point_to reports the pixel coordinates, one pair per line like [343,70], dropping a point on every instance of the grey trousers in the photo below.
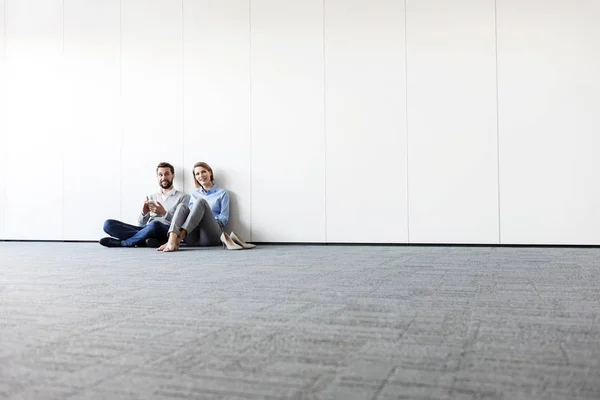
[199,222]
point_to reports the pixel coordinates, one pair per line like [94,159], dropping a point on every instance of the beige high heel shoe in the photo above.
[239,241]
[228,243]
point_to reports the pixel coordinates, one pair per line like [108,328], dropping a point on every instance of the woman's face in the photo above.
[202,176]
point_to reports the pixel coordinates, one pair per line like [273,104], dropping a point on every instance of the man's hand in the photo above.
[158,209]
[145,208]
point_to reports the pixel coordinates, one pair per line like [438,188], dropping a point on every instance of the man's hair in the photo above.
[165,165]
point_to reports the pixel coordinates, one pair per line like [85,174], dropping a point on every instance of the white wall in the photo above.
[549,115]
[151,96]
[365,112]
[92,160]
[35,119]
[383,121]
[452,127]
[288,121]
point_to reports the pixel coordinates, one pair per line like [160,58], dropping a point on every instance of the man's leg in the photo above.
[120,230]
[154,229]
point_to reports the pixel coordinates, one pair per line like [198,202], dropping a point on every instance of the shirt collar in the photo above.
[170,193]
[209,191]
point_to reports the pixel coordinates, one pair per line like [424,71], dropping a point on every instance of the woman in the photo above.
[201,223]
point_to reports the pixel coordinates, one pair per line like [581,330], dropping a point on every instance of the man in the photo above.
[155,218]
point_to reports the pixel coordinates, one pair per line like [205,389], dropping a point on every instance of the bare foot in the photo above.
[171,245]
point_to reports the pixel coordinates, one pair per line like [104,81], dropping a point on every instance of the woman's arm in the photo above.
[223,216]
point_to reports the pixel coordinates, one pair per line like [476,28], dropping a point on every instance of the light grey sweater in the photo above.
[174,198]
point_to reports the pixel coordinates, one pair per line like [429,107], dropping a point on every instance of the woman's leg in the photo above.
[176,232]
[180,217]
[202,227]
[198,228]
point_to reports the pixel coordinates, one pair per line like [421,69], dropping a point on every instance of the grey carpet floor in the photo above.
[80,321]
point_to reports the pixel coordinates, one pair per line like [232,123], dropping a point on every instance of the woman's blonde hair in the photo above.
[206,167]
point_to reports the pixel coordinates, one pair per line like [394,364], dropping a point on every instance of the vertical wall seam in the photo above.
[497,119]
[4,122]
[183,95]
[121,109]
[406,118]
[250,110]
[325,120]
[64,131]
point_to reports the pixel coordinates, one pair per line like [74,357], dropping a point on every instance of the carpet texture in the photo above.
[79,321]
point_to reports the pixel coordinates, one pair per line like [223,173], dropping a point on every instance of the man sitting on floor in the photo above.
[155,218]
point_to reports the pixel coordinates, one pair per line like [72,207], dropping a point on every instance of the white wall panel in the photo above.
[288,139]
[302,106]
[92,157]
[549,97]
[216,121]
[151,77]
[452,122]
[34,118]
[365,121]
[3,132]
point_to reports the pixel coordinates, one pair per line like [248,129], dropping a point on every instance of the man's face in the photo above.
[164,177]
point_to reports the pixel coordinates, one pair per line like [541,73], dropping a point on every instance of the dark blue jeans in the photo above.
[131,235]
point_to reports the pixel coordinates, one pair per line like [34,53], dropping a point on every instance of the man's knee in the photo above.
[155,226]
[109,224]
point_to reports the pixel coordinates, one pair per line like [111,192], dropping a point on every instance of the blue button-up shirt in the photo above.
[218,199]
